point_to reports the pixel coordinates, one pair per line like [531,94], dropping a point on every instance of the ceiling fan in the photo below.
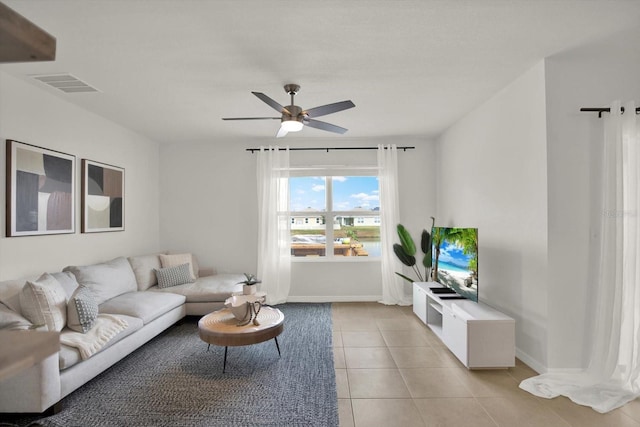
[293,118]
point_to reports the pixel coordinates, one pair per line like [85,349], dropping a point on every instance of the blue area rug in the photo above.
[174,381]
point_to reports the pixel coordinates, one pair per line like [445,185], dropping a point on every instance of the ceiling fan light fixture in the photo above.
[293,118]
[292,125]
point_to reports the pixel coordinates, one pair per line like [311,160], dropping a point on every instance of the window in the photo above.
[352,202]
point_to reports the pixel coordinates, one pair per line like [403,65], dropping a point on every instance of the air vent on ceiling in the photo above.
[65,82]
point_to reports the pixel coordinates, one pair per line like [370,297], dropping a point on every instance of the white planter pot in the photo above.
[248,289]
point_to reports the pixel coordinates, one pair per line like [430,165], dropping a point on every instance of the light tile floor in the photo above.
[391,370]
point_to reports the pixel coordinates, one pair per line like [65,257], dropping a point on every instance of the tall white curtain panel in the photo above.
[612,377]
[392,285]
[274,253]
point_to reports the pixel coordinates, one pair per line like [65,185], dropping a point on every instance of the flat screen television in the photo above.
[454,256]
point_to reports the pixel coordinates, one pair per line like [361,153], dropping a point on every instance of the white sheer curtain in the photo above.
[274,253]
[392,285]
[613,375]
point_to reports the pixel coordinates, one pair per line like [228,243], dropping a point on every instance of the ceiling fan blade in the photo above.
[273,104]
[324,126]
[251,118]
[282,132]
[323,110]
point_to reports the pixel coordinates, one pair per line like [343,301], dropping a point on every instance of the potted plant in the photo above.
[351,235]
[249,285]
[406,251]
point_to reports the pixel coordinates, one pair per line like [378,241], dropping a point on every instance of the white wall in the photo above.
[209,205]
[33,115]
[589,76]
[531,162]
[492,175]
[219,180]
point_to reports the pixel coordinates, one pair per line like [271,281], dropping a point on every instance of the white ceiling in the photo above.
[171,69]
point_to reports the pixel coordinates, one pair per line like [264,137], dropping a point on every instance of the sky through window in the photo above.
[349,193]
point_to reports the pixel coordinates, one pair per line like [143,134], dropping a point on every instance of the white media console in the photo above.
[479,336]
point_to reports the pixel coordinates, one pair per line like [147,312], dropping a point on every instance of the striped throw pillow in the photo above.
[173,276]
[44,302]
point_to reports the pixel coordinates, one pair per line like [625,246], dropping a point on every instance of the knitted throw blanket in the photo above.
[105,328]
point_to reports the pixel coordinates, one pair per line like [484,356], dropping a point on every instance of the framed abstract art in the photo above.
[40,194]
[102,197]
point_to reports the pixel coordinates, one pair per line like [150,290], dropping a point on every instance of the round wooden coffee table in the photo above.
[221,328]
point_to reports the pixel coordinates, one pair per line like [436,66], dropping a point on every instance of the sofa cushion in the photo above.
[214,288]
[195,266]
[146,305]
[44,301]
[68,282]
[10,320]
[107,280]
[69,356]
[82,310]
[10,289]
[10,292]
[173,260]
[172,276]
[144,267]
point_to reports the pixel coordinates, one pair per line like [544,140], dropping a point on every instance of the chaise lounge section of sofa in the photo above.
[127,292]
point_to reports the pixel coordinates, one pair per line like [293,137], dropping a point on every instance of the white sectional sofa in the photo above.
[127,292]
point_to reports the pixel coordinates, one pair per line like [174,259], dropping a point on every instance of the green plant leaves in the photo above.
[403,256]
[427,262]
[406,251]
[406,241]
[408,279]
[251,279]
[425,241]
[425,245]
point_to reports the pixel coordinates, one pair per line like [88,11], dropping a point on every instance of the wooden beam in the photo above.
[23,41]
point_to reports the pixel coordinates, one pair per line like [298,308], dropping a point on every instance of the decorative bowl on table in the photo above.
[239,307]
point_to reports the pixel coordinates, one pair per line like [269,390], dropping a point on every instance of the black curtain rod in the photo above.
[604,110]
[327,149]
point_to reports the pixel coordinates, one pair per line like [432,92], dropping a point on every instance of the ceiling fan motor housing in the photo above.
[296,113]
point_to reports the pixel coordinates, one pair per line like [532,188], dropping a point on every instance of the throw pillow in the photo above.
[10,292]
[82,310]
[44,302]
[108,279]
[173,276]
[68,282]
[144,267]
[10,320]
[178,259]
[195,268]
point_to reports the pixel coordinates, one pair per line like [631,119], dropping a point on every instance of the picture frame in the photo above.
[102,197]
[40,190]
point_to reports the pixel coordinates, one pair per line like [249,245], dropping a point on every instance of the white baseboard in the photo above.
[335,298]
[530,362]
[540,368]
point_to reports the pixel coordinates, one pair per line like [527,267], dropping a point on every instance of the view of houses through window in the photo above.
[334,216]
